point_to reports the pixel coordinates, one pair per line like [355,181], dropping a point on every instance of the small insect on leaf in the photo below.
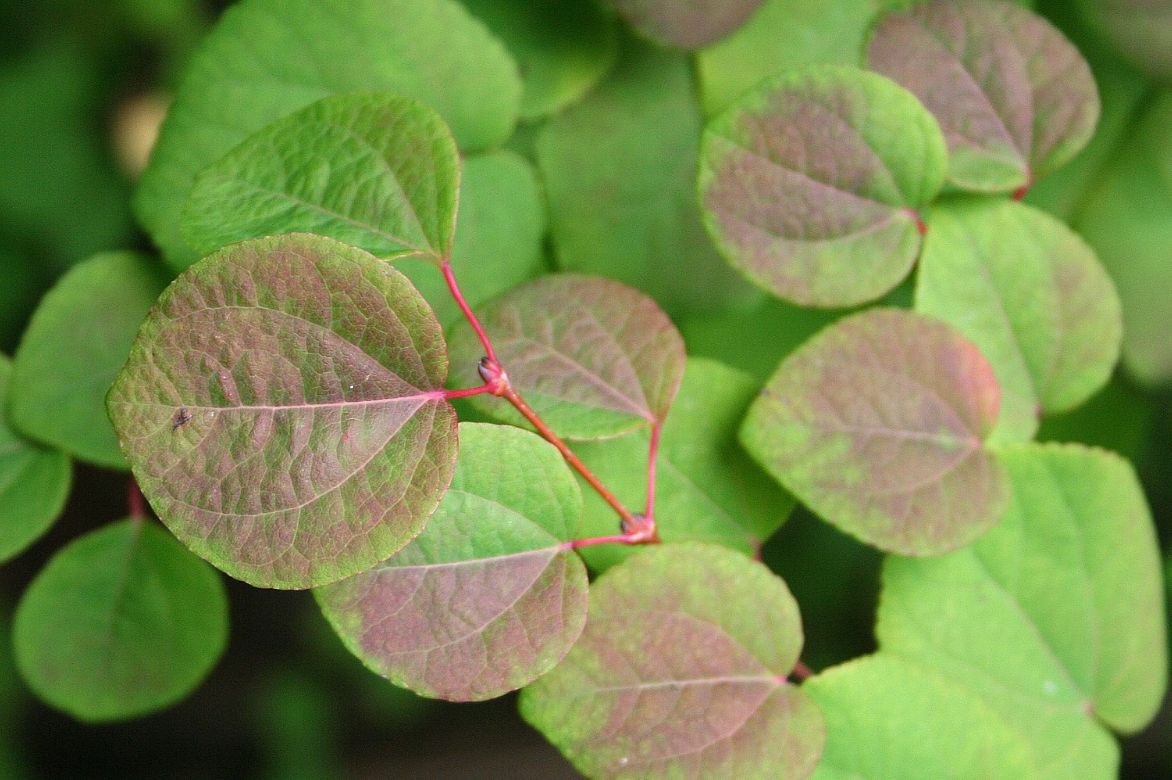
[182,417]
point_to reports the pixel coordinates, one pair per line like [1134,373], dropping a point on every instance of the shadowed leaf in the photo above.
[878,425]
[486,599]
[686,24]
[810,183]
[1013,96]
[283,410]
[681,672]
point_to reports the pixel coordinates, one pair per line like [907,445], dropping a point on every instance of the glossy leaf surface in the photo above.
[681,672]
[1014,97]
[878,425]
[283,411]
[119,623]
[91,315]
[375,170]
[687,24]
[810,183]
[593,357]
[486,599]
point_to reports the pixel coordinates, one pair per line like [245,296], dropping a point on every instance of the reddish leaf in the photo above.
[687,24]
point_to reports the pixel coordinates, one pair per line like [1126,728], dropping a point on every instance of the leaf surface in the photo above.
[681,672]
[878,425]
[809,184]
[486,599]
[283,411]
[686,24]
[121,622]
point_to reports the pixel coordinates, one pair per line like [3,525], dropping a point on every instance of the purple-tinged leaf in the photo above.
[810,184]
[1014,97]
[878,424]
[593,357]
[486,599]
[681,673]
[685,24]
[283,410]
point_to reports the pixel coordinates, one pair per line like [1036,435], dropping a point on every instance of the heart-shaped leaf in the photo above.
[91,315]
[121,622]
[593,357]
[1014,97]
[374,170]
[1071,581]
[810,184]
[878,424]
[681,672]
[488,598]
[686,24]
[1031,295]
[283,410]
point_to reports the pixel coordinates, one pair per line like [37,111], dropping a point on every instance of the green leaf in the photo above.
[34,482]
[1055,618]
[681,673]
[619,170]
[1119,418]
[562,48]
[488,598]
[1014,97]
[707,489]
[592,357]
[74,346]
[374,170]
[283,411]
[686,24]
[810,184]
[888,718]
[1139,31]
[121,622]
[1031,295]
[268,58]
[878,425]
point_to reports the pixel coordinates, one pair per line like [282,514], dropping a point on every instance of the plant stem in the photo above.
[467,391]
[450,278]
[135,503]
[595,540]
[652,456]
[801,671]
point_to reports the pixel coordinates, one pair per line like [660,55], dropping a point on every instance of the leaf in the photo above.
[562,48]
[1014,97]
[1119,418]
[121,622]
[283,411]
[887,718]
[487,598]
[34,482]
[681,672]
[707,487]
[878,425]
[1139,31]
[90,316]
[1031,295]
[620,170]
[810,184]
[268,58]
[1055,618]
[374,170]
[592,357]
[686,24]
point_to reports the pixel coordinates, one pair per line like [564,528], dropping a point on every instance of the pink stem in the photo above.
[467,391]
[595,540]
[135,503]
[652,456]
[802,672]
[454,288]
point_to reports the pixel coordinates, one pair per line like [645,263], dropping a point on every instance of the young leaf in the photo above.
[1014,97]
[707,489]
[809,184]
[90,316]
[878,424]
[374,170]
[268,58]
[1031,295]
[283,411]
[681,672]
[121,622]
[593,357]
[686,24]
[486,599]
[1070,581]
[34,482]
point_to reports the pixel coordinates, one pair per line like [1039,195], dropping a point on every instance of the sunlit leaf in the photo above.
[487,598]
[1140,31]
[878,424]
[283,410]
[1014,97]
[810,184]
[681,672]
[121,622]
[687,24]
